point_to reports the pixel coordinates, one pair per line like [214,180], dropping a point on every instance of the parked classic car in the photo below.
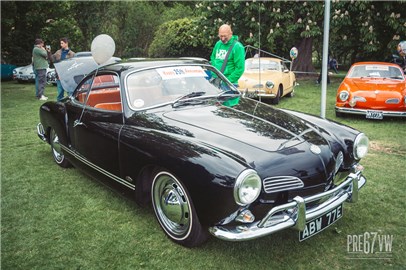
[6,71]
[373,89]
[267,78]
[206,157]
[26,74]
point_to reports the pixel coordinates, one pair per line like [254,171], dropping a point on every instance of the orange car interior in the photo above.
[104,98]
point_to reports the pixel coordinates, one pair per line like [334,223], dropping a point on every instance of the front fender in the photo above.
[209,175]
[53,115]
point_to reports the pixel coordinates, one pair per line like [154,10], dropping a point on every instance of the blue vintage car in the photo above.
[208,159]
[7,71]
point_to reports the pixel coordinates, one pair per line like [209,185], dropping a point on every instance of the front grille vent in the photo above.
[392,101]
[281,183]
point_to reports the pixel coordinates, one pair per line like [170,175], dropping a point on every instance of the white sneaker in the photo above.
[43,98]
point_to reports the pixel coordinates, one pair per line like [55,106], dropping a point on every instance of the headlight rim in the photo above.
[347,93]
[360,137]
[244,175]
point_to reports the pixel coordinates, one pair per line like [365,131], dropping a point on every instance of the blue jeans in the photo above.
[60,90]
[36,82]
[41,78]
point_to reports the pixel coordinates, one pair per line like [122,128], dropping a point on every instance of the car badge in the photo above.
[315,149]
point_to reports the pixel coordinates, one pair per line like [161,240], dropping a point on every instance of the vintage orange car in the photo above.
[373,89]
[267,78]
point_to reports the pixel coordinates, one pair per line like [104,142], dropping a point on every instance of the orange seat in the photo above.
[101,96]
[111,106]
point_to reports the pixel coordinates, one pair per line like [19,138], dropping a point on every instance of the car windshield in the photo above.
[376,71]
[262,64]
[167,85]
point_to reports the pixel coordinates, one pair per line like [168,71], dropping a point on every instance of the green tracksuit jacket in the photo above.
[236,60]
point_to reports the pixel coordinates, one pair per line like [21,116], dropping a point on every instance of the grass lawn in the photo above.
[54,218]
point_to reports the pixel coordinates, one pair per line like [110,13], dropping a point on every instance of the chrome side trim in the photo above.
[97,168]
[364,112]
[296,213]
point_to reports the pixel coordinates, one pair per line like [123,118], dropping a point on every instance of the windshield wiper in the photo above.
[186,97]
[228,94]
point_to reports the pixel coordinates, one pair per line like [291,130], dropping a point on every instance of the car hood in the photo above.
[254,77]
[72,70]
[251,123]
[25,69]
[376,84]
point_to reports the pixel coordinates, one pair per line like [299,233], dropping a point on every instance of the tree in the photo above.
[365,30]
[273,26]
[21,25]
[178,38]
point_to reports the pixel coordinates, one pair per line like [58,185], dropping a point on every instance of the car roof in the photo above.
[374,63]
[143,63]
[265,58]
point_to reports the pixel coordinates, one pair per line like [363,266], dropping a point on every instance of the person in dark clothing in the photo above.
[334,65]
[321,71]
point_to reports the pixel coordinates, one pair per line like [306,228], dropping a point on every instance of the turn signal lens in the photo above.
[245,217]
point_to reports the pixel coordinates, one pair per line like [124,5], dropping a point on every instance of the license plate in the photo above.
[374,115]
[320,223]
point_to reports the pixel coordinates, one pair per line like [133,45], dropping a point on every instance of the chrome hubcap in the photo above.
[171,205]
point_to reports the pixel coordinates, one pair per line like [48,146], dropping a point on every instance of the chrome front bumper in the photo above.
[258,93]
[294,214]
[364,112]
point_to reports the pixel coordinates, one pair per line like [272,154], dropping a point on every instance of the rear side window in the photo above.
[101,92]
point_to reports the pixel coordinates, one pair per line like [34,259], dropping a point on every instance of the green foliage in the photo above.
[177,11]
[179,38]
[359,30]
[132,25]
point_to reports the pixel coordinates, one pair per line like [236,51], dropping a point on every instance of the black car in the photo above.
[181,136]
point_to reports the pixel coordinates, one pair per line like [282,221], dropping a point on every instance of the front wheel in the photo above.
[56,150]
[175,212]
[275,101]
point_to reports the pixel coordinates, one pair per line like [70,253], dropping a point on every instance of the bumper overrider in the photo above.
[41,132]
[296,213]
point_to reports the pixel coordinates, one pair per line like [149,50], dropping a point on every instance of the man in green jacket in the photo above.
[40,62]
[236,60]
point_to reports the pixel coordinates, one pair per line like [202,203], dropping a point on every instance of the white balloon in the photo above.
[103,48]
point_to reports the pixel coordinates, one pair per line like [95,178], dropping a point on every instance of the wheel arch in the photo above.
[207,185]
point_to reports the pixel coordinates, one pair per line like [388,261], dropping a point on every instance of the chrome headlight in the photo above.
[344,95]
[247,187]
[269,85]
[360,146]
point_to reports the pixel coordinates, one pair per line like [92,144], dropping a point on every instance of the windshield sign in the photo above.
[160,86]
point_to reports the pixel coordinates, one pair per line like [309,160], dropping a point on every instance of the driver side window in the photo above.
[101,92]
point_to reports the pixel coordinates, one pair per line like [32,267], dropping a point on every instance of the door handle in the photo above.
[78,123]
